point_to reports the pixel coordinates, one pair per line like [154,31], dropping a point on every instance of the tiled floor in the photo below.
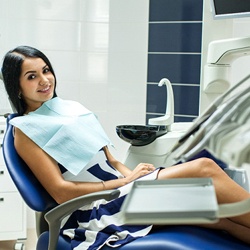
[30,243]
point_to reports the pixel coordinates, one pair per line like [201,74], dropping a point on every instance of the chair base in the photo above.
[169,238]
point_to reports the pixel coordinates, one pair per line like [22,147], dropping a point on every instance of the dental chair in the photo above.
[50,214]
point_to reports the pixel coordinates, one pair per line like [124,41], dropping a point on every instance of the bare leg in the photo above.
[238,231]
[227,191]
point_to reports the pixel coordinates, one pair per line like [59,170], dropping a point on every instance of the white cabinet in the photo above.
[12,207]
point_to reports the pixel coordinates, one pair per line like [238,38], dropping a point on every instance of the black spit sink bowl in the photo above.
[139,135]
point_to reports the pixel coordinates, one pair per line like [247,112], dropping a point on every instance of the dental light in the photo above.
[221,54]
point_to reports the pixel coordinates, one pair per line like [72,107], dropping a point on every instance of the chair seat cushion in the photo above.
[170,238]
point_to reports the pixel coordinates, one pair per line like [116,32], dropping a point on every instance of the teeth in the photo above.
[45,89]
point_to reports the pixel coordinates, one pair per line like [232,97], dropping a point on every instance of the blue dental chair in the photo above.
[36,197]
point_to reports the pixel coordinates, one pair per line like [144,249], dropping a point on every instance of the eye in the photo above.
[31,77]
[46,70]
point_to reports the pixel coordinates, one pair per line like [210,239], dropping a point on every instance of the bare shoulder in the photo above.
[23,143]
[31,153]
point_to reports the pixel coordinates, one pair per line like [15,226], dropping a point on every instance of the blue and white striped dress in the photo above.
[100,222]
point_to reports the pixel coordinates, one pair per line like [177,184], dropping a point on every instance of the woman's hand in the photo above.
[139,171]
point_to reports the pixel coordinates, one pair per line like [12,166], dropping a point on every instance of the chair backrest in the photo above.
[33,193]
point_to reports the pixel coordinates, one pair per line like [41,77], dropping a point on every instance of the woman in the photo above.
[31,85]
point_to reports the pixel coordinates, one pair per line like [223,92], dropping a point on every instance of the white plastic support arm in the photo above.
[55,215]
[221,54]
[234,209]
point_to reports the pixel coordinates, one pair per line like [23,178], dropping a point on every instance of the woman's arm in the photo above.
[124,170]
[46,170]
[130,175]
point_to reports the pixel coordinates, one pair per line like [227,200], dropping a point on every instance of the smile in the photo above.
[45,89]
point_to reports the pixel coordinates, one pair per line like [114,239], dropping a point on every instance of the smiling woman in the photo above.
[68,153]
[36,83]
[34,74]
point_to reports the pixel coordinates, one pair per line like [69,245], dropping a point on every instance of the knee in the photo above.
[208,168]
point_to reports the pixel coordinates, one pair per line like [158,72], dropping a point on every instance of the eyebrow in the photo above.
[33,71]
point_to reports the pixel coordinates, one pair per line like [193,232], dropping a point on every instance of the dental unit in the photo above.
[153,142]
[225,133]
[223,130]
[162,150]
[219,116]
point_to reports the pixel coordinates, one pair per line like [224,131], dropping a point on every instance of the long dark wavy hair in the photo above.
[11,71]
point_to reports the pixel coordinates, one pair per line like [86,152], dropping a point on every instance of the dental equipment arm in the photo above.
[221,54]
[235,146]
[211,109]
[209,129]
[168,118]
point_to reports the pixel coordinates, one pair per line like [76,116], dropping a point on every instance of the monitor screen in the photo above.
[230,8]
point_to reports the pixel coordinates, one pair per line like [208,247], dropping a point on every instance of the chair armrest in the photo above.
[234,209]
[55,215]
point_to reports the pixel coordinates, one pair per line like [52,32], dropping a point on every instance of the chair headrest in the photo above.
[33,193]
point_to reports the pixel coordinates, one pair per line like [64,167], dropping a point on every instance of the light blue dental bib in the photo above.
[65,130]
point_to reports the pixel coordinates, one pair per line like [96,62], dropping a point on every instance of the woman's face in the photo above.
[37,83]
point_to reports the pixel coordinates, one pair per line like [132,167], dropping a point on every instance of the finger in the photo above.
[150,165]
[150,168]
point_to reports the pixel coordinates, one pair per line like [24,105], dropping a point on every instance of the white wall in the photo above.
[98,49]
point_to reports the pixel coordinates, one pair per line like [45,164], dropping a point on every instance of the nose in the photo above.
[43,80]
